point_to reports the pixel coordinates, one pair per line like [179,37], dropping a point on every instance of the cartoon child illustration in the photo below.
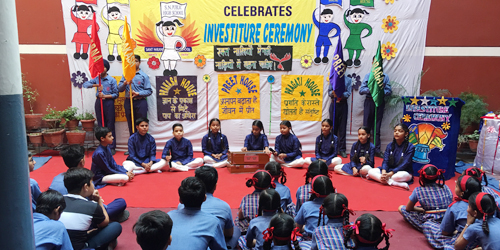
[165,31]
[353,43]
[323,39]
[81,37]
[115,25]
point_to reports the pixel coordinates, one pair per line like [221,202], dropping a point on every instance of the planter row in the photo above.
[55,137]
[34,122]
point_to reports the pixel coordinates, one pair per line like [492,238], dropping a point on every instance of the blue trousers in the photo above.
[140,110]
[340,122]
[116,208]
[100,238]
[369,119]
[108,108]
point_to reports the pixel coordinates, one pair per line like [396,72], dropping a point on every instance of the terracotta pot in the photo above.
[53,137]
[71,125]
[33,121]
[88,125]
[36,139]
[473,145]
[52,123]
[76,137]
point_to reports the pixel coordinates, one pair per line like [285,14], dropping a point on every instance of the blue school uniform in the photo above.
[218,208]
[280,248]
[142,149]
[35,192]
[249,207]
[58,184]
[329,236]
[196,229]
[179,150]
[256,143]
[367,150]
[286,198]
[474,233]
[303,194]
[50,234]
[255,229]
[219,146]
[289,145]
[488,190]
[341,112]
[141,85]
[308,215]
[431,197]
[407,162]
[104,164]
[328,149]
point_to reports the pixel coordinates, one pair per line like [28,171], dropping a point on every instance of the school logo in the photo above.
[426,137]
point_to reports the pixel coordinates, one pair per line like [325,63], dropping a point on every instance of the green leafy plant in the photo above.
[86,116]
[437,93]
[51,113]
[473,109]
[69,114]
[29,93]
[474,136]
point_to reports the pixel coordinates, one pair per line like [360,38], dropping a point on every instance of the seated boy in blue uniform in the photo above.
[142,151]
[153,230]
[193,227]
[35,189]
[74,157]
[49,232]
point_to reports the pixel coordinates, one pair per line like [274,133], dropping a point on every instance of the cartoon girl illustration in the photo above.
[115,25]
[353,43]
[165,31]
[323,39]
[83,21]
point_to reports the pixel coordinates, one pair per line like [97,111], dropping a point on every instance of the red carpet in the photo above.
[160,190]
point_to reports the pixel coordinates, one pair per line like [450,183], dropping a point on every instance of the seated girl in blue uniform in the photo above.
[362,156]
[49,232]
[308,215]
[279,179]
[142,151]
[455,218]
[215,146]
[257,141]
[179,151]
[330,235]
[288,147]
[326,149]
[482,224]
[249,206]
[367,233]
[282,232]
[433,195]
[153,230]
[269,205]
[104,166]
[35,189]
[480,175]
[397,167]
[304,192]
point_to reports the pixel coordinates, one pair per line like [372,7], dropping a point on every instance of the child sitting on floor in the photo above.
[481,176]
[367,232]
[362,156]
[279,179]
[257,141]
[153,230]
[288,148]
[326,149]
[304,191]
[215,146]
[35,189]
[179,151]
[281,232]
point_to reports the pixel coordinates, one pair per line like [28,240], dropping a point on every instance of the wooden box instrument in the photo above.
[249,161]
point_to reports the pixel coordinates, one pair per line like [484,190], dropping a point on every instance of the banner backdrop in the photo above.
[301,97]
[177,98]
[119,110]
[179,37]
[239,96]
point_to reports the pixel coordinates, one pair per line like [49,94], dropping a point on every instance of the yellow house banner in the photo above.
[119,109]
[239,96]
[301,97]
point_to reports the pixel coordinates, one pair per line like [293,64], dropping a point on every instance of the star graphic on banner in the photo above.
[406,100]
[442,101]
[238,91]
[424,101]
[453,102]
[434,101]
[414,100]
[177,91]
[302,93]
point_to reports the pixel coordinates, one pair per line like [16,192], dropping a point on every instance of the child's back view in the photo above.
[153,230]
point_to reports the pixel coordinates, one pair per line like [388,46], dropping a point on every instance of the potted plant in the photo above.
[53,137]
[68,118]
[473,109]
[35,139]
[76,136]
[32,120]
[473,139]
[87,121]
[52,118]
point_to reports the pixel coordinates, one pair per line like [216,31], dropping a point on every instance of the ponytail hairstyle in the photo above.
[430,174]
[368,231]
[478,173]
[357,10]
[321,137]
[335,206]
[276,171]
[393,146]
[321,187]
[281,231]
[259,124]
[261,180]
[210,134]
[485,205]
[269,201]
[83,7]
[289,125]
[173,23]
[468,185]
[317,167]
[358,151]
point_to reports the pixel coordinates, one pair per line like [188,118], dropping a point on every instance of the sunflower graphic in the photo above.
[445,125]
[306,61]
[389,50]
[206,78]
[200,61]
[407,118]
[390,24]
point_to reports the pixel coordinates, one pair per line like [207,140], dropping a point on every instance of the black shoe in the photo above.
[343,154]
[348,62]
[113,151]
[379,155]
[357,62]
[173,72]
[123,217]
[111,58]
[325,59]
[85,56]
[166,72]
[119,58]
[126,153]
[76,55]
[317,60]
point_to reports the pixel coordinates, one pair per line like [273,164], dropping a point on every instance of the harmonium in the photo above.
[249,161]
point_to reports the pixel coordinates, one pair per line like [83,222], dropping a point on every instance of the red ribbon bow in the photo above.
[268,234]
[295,233]
[347,210]
[322,210]
[457,199]
[387,231]
[254,180]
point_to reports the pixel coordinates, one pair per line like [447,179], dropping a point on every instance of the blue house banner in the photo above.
[434,124]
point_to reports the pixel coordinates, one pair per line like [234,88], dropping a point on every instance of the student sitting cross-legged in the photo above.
[179,151]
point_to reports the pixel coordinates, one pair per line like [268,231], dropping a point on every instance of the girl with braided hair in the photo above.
[362,156]
[481,175]
[282,232]
[304,192]
[326,149]
[367,232]
[433,195]
[482,207]
[279,179]
[287,147]
[215,146]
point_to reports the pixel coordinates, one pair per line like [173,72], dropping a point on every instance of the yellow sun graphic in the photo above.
[445,125]
[407,118]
